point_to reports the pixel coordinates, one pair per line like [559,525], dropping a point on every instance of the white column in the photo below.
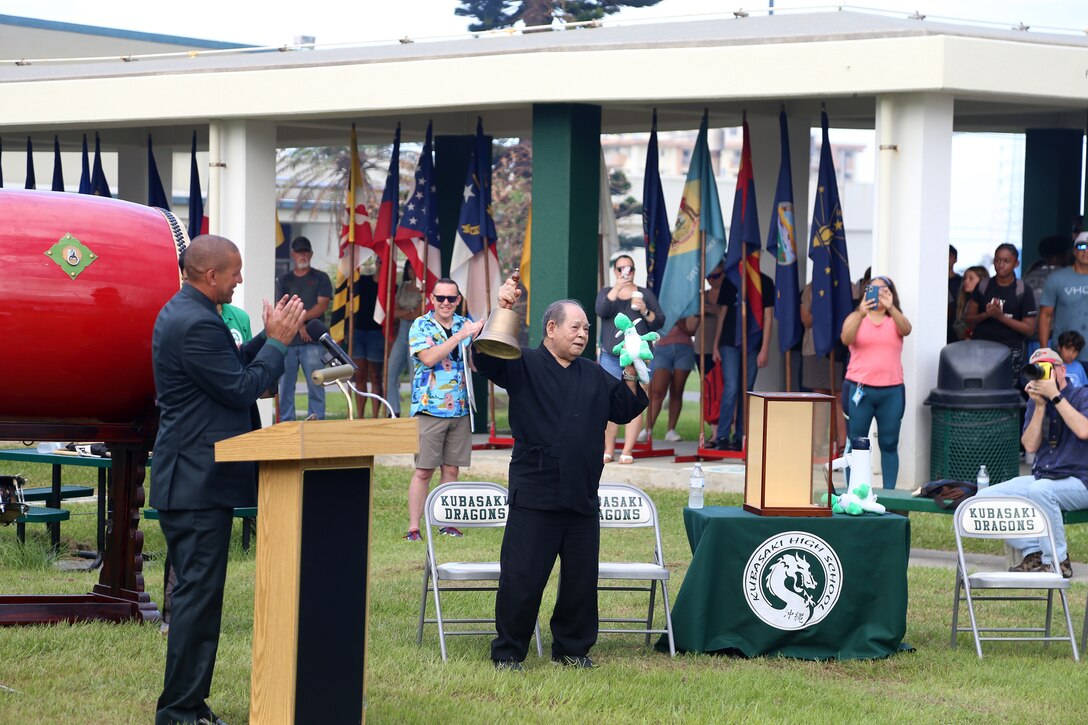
[910,245]
[245,211]
[247,208]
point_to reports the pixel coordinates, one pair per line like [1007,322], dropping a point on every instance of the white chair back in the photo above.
[1005,517]
[625,506]
[467,504]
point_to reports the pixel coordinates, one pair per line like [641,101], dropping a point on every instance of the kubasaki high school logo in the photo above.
[793,580]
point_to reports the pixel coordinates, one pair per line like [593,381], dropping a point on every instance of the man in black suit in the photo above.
[205,387]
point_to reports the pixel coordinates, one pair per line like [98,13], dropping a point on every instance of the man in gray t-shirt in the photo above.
[314,288]
[1064,304]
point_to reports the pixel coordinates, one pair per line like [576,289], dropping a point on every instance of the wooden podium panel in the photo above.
[313,562]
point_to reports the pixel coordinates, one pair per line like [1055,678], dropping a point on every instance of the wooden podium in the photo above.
[310,609]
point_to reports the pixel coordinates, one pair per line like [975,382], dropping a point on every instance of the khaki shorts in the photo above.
[444,442]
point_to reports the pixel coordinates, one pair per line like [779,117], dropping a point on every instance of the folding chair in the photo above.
[465,505]
[624,506]
[1010,518]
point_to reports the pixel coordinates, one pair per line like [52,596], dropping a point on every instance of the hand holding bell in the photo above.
[509,293]
[499,337]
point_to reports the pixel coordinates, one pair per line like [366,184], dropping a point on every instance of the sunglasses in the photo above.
[446,298]
[1080,246]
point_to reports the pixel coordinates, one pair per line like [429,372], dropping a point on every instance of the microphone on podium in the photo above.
[316,330]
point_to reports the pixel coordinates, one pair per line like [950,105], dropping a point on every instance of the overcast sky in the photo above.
[339,21]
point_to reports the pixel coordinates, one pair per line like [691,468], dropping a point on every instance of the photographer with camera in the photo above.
[874,333]
[1057,433]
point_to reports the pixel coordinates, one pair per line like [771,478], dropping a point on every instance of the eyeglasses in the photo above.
[1080,246]
[446,298]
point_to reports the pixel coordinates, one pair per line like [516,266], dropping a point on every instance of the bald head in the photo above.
[207,251]
[213,265]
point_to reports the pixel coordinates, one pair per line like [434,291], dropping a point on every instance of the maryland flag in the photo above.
[356,246]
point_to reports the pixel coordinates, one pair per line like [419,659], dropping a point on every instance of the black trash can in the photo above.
[976,416]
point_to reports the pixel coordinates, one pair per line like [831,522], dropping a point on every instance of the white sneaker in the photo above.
[672,436]
[641,438]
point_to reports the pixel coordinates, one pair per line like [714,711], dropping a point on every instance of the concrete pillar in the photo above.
[566,179]
[247,209]
[914,138]
[1052,185]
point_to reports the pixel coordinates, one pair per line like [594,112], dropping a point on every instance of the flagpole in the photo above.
[349,311]
[789,374]
[743,275]
[702,340]
[831,377]
[487,297]
[387,327]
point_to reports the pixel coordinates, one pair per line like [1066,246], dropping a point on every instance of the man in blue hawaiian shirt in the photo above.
[438,343]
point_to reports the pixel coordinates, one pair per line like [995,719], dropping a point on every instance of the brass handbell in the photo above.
[499,338]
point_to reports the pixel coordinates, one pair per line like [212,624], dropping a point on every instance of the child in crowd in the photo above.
[1070,344]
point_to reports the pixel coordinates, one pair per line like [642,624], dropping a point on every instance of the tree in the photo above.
[493,14]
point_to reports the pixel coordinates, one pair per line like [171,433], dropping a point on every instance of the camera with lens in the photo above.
[1037,370]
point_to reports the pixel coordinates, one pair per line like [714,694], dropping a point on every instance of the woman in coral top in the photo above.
[874,333]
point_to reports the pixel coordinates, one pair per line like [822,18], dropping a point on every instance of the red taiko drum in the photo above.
[83,278]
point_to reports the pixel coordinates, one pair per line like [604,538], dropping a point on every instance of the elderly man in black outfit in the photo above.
[205,387]
[560,403]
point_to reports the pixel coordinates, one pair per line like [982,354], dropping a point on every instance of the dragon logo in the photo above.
[792,580]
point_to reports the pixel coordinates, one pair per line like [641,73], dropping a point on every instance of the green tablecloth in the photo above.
[811,588]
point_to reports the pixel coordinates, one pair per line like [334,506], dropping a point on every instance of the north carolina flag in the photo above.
[417,234]
[85,175]
[831,299]
[384,231]
[655,217]
[58,171]
[744,237]
[474,268]
[356,246]
[700,214]
[99,185]
[198,223]
[31,181]
[156,195]
[782,244]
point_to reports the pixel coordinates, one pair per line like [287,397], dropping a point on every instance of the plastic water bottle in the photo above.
[696,486]
[983,479]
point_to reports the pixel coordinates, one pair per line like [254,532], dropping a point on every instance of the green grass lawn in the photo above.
[104,672]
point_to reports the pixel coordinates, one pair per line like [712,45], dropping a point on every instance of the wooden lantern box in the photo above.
[789,443]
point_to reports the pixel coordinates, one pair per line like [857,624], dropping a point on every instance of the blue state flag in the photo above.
[31,180]
[831,299]
[655,217]
[475,263]
[58,171]
[85,174]
[156,195]
[196,199]
[699,226]
[99,185]
[782,244]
